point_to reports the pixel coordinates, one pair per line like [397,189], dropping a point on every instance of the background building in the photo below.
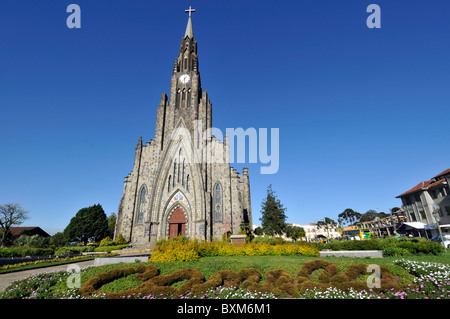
[313,231]
[384,227]
[418,204]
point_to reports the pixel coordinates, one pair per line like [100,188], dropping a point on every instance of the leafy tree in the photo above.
[10,215]
[327,224]
[295,232]
[246,230]
[259,231]
[58,240]
[273,220]
[34,241]
[383,215]
[88,223]
[369,215]
[349,217]
[111,224]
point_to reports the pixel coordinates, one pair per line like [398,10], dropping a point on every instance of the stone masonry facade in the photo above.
[181,182]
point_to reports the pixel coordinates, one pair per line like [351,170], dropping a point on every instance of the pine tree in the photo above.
[273,220]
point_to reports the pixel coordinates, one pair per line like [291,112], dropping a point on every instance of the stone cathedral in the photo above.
[181,182]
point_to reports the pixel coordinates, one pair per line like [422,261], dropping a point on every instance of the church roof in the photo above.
[189,32]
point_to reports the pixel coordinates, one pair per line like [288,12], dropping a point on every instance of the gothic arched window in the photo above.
[174,172]
[177,102]
[188,183]
[218,202]
[183,172]
[169,186]
[179,166]
[141,206]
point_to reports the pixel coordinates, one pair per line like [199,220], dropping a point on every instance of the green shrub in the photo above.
[421,246]
[390,246]
[110,248]
[393,251]
[266,239]
[70,250]
[107,241]
[25,251]
[371,244]
[120,240]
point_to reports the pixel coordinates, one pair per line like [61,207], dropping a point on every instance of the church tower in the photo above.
[182,183]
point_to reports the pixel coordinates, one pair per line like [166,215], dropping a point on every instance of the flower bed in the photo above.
[317,279]
[56,260]
[181,249]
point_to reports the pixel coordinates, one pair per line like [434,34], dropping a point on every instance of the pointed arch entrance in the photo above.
[177,223]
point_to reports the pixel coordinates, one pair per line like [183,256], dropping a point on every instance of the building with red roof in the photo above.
[424,200]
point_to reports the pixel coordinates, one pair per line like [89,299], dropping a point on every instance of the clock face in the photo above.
[185,78]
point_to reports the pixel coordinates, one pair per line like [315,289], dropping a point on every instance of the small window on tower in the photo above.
[185,63]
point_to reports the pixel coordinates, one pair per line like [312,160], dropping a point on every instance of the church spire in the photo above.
[189,31]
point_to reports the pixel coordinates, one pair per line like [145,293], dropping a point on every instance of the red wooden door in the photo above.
[177,223]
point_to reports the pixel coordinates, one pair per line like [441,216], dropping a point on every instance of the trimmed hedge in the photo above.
[110,248]
[389,246]
[73,250]
[25,251]
[279,282]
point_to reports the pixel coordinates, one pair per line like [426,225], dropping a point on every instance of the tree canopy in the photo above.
[10,215]
[89,223]
[348,217]
[295,232]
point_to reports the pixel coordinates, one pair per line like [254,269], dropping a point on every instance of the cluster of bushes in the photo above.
[107,241]
[39,246]
[183,249]
[24,251]
[26,245]
[73,250]
[390,246]
[107,244]
[279,282]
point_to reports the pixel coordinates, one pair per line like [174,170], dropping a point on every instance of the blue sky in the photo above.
[363,113]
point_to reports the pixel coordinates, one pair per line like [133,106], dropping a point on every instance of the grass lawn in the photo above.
[55,285]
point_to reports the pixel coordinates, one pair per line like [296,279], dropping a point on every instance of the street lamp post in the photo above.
[438,218]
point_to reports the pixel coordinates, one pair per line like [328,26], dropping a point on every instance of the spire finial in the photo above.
[189,32]
[190,10]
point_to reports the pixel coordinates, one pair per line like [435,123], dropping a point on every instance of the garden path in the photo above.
[8,278]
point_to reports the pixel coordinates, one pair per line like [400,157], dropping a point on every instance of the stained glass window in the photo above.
[218,201]
[140,216]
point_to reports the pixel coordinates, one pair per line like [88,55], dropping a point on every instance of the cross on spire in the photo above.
[190,10]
